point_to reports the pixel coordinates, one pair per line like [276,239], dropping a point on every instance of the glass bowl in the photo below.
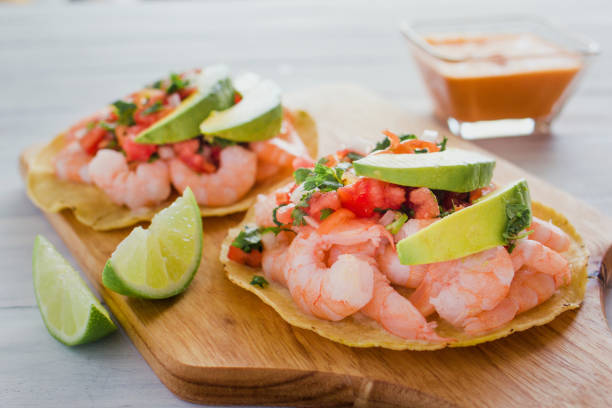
[498,76]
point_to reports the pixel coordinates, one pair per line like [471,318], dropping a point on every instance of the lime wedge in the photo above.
[70,311]
[161,261]
[258,116]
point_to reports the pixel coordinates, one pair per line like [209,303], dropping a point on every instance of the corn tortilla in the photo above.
[360,331]
[92,207]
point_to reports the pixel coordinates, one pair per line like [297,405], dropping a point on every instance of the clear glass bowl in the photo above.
[498,76]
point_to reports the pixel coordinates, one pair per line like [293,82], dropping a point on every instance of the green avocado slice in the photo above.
[451,170]
[215,92]
[494,220]
[258,116]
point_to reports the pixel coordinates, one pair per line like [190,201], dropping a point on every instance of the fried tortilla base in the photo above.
[92,207]
[360,331]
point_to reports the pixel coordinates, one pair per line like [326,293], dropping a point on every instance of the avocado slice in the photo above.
[258,116]
[215,92]
[451,170]
[493,220]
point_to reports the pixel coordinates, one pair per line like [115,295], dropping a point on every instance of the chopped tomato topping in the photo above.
[187,151]
[283,194]
[283,214]
[321,201]
[133,151]
[424,203]
[335,220]
[90,141]
[237,97]
[366,195]
[252,258]
[480,192]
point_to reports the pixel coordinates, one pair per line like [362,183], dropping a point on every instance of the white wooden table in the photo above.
[58,63]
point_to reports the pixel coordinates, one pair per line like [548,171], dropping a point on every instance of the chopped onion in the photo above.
[431,136]
[174,100]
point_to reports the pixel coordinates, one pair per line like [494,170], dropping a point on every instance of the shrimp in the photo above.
[528,289]
[549,234]
[396,314]
[424,203]
[148,184]
[274,256]
[71,163]
[330,293]
[233,179]
[464,287]
[542,259]
[264,207]
[405,275]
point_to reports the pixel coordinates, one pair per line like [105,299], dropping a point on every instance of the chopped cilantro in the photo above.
[90,126]
[176,84]
[326,212]
[519,218]
[156,107]
[112,144]
[399,221]
[259,281]
[298,215]
[325,178]
[421,151]
[157,84]
[354,156]
[249,239]
[300,174]
[380,210]
[217,141]
[153,157]
[385,143]
[107,126]
[442,145]
[125,112]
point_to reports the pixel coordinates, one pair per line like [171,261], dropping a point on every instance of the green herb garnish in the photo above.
[156,107]
[276,221]
[90,126]
[442,145]
[153,157]
[259,281]
[418,151]
[176,84]
[354,156]
[385,143]
[220,142]
[157,84]
[399,222]
[125,112]
[249,239]
[326,212]
[519,218]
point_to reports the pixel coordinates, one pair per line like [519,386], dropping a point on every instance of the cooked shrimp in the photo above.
[411,226]
[330,293]
[148,184]
[71,163]
[264,206]
[396,314]
[528,289]
[464,287]
[542,259]
[233,179]
[409,276]
[274,257]
[549,234]
[424,203]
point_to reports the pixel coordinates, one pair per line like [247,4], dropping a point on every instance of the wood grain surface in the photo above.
[62,60]
[219,344]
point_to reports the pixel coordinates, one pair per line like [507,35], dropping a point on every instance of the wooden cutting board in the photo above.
[218,344]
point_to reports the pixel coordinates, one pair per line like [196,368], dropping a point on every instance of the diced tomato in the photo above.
[133,151]
[237,97]
[424,203]
[187,151]
[320,201]
[366,194]
[283,194]
[252,258]
[147,119]
[90,141]
[336,219]
[283,214]
[476,194]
